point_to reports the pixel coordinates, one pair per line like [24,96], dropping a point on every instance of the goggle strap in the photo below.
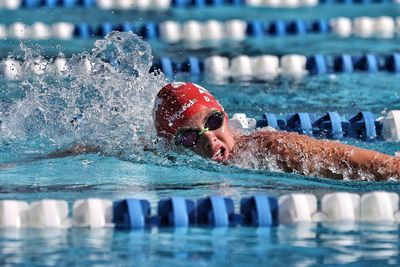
[202,132]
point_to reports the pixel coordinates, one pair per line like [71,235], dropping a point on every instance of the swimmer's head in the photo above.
[188,114]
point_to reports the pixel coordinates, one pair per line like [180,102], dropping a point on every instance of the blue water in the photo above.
[24,176]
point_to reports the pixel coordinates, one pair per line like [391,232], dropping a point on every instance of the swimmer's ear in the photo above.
[226,114]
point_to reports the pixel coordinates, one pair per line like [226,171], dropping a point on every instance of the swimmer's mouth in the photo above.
[220,155]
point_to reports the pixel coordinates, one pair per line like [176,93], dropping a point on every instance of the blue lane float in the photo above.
[363,126]
[176,212]
[330,126]
[259,211]
[131,213]
[300,122]
[213,211]
[344,64]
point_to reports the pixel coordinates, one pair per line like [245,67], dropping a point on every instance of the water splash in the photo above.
[104,98]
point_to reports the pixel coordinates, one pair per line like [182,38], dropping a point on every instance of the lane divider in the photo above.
[144,5]
[263,67]
[213,211]
[363,125]
[266,67]
[212,30]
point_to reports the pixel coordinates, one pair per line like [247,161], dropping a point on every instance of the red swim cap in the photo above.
[177,102]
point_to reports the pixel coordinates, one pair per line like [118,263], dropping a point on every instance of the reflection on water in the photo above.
[302,245]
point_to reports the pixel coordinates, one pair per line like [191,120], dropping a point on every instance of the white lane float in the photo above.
[170,31]
[363,26]
[63,30]
[13,213]
[11,69]
[192,31]
[19,30]
[297,208]
[49,213]
[241,121]
[93,213]
[384,27]
[391,126]
[241,66]
[213,30]
[3,32]
[341,26]
[380,207]
[236,29]
[341,206]
[293,65]
[217,65]
[265,67]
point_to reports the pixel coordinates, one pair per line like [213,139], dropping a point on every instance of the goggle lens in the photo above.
[215,121]
[188,137]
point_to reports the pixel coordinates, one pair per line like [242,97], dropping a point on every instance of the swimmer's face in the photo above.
[214,144]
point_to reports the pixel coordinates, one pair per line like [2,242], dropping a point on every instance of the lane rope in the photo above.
[212,211]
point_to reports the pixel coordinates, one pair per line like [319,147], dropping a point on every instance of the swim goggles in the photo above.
[189,137]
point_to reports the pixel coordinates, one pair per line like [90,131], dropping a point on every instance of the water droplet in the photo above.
[86,162]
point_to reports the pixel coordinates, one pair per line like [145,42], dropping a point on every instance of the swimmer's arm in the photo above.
[329,158]
[381,166]
[73,151]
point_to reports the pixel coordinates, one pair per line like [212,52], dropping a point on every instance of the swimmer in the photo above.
[187,115]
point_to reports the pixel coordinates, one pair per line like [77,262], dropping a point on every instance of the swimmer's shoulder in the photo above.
[267,133]
[267,138]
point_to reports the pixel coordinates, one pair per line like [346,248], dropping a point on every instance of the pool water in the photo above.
[123,171]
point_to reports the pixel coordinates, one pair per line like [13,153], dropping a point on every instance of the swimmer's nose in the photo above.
[210,142]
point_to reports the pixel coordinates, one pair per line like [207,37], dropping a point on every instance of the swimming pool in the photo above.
[32,112]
